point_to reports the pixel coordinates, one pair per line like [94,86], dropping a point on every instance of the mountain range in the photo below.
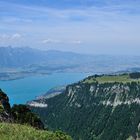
[29,59]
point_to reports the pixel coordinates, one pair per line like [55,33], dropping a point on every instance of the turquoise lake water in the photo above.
[22,90]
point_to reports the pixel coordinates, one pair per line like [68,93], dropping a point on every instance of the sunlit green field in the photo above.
[111,78]
[23,132]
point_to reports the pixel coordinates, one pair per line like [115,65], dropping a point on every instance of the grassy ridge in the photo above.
[23,132]
[111,79]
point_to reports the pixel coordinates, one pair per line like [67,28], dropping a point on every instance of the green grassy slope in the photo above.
[125,78]
[23,132]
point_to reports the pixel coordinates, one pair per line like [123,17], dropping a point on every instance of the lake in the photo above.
[22,90]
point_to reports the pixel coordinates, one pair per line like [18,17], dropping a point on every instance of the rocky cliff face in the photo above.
[97,108]
[5,109]
[18,113]
[107,94]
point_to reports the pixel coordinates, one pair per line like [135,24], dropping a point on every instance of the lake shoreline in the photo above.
[28,88]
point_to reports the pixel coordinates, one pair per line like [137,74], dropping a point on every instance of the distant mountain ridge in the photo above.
[13,57]
[19,57]
[33,60]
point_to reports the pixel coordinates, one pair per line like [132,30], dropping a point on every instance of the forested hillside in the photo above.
[100,107]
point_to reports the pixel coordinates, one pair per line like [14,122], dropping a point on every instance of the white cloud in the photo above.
[76,42]
[46,41]
[9,39]
[56,41]
[4,37]
[16,36]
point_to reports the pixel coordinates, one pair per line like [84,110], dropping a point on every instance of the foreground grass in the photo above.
[23,132]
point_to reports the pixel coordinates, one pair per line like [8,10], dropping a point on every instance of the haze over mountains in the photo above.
[19,57]
[64,61]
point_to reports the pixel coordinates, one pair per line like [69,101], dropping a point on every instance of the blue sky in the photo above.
[85,26]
